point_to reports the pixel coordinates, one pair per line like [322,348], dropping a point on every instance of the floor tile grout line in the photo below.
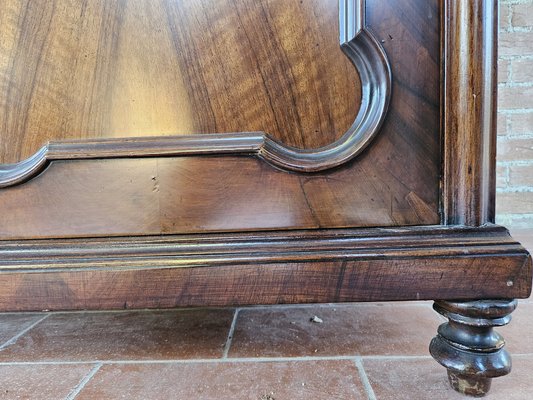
[79,387]
[184,361]
[22,333]
[220,360]
[364,379]
[28,312]
[392,358]
[231,331]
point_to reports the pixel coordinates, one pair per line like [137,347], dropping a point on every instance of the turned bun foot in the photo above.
[468,346]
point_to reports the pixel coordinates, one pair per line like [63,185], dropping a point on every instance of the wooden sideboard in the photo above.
[220,153]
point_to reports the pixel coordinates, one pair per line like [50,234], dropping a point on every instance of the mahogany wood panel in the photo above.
[298,267]
[358,44]
[201,194]
[83,69]
[395,181]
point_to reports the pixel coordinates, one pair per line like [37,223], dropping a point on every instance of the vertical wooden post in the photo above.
[470,61]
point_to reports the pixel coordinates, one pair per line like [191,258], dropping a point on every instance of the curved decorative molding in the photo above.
[359,45]
[370,60]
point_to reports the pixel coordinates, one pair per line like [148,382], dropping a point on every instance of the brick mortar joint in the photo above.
[515,141]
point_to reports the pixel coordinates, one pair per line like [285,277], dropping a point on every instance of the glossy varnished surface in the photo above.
[469,183]
[197,194]
[76,69]
[256,234]
[395,181]
[281,267]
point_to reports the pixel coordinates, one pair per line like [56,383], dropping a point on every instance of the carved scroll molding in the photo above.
[357,43]
[370,60]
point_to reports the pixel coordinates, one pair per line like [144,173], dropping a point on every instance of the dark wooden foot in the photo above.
[469,347]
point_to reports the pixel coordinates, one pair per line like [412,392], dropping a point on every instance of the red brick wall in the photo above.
[514,200]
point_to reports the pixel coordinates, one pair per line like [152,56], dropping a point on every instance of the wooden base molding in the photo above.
[287,267]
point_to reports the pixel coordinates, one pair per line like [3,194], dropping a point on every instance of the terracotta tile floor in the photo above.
[359,351]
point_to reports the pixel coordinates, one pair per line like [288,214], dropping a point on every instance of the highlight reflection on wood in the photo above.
[359,45]
[395,181]
[73,69]
[203,220]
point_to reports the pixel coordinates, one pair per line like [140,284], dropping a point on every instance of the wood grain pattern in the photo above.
[200,194]
[393,182]
[359,45]
[298,267]
[75,69]
[470,61]
[306,245]
[103,228]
